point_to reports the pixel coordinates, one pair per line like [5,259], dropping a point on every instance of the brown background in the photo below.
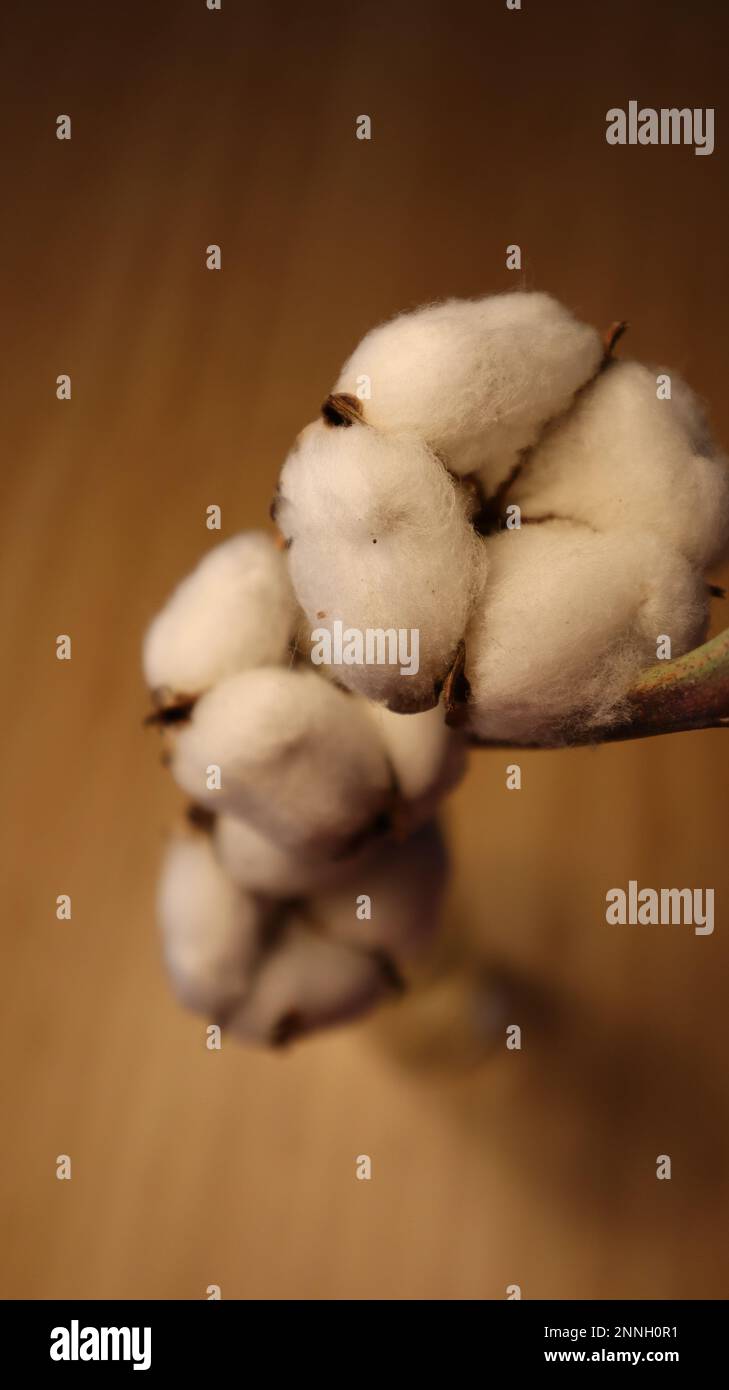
[192,1167]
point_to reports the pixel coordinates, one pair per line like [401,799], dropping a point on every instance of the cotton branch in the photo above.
[674,697]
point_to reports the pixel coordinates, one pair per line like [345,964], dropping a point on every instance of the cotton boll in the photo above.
[261,865]
[211,930]
[381,544]
[306,983]
[569,619]
[476,379]
[625,460]
[297,758]
[427,757]
[236,610]
[405,884]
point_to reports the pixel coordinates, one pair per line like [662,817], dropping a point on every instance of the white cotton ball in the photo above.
[427,757]
[234,611]
[393,900]
[568,620]
[383,555]
[625,460]
[211,930]
[296,757]
[306,983]
[476,379]
[261,865]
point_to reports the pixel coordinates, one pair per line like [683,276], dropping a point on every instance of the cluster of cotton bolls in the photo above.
[309,873]
[450,421]
[535,517]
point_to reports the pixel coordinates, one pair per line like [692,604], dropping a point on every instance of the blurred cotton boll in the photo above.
[427,757]
[393,900]
[236,610]
[260,864]
[305,983]
[212,930]
[290,753]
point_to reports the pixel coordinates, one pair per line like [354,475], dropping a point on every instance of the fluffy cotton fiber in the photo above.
[569,618]
[404,883]
[236,610]
[476,379]
[380,541]
[260,864]
[212,931]
[297,757]
[624,460]
[306,983]
[427,758]
[264,980]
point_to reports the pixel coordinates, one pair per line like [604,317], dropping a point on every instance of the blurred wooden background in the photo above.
[192,1167]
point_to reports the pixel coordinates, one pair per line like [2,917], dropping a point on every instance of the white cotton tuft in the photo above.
[211,930]
[260,864]
[236,610]
[625,460]
[476,379]
[382,551]
[569,619]
[292,754]
[306,983]
[427,758]
[404,885]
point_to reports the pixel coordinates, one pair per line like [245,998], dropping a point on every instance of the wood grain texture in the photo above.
[192,1167]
